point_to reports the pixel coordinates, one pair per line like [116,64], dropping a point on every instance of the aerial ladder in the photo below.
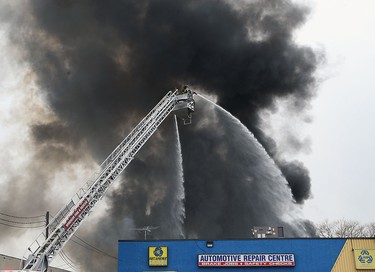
[66,222]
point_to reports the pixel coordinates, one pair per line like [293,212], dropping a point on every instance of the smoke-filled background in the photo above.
[95,68]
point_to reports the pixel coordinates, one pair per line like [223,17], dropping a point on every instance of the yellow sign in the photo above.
[158,256]
[364,258]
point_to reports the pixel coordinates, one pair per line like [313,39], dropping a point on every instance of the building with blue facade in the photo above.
[255,255]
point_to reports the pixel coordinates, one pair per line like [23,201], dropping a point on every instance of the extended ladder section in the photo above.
[68,220]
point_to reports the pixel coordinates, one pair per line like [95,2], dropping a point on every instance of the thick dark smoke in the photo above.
[103,64]
[295,172]
[233,177]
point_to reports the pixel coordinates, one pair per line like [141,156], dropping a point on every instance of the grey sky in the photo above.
[343,130]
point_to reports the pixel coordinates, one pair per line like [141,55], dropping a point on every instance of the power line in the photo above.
[24,223]
[67,260]
[92,248]
[95,249]
[22,227]
[67,257]
[22,217]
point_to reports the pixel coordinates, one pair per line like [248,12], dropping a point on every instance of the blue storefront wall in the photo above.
[315,255]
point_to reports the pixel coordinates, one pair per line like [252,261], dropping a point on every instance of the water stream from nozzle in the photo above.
[249,175]
[180,180]
[242,128]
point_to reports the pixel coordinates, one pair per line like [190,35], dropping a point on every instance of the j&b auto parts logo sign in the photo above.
[158,256]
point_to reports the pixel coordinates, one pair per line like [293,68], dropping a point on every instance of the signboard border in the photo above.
[363,266]
[271,265]
[160,265]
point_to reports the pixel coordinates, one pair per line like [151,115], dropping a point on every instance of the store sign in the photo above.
[158,256]
[364,258]
[235,260]
[82,206]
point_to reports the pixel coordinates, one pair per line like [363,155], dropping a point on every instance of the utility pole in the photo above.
[47,222]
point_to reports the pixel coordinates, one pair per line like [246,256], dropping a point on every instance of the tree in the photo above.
[370,229]
[344,228]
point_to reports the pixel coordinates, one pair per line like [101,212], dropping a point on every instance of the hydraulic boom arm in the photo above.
[69,219]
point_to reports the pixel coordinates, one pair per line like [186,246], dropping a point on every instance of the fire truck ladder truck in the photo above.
[62,227]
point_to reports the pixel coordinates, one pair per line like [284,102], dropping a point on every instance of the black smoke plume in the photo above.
[101,65]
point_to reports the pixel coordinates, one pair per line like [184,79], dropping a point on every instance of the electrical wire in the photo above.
[29,224]
[63,255]
[22,217]
[22,227]
[24,223]
[67,260]
[91,247]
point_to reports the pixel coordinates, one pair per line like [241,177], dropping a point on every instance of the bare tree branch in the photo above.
[344,228]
